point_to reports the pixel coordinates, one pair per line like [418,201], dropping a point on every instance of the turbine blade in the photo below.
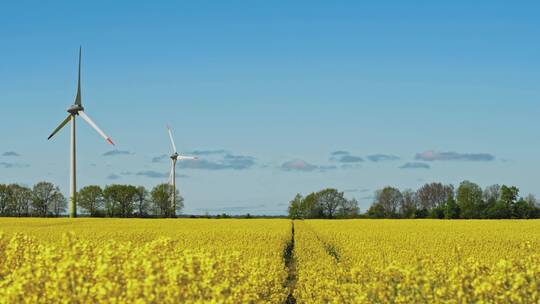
[172,140]
[60,127]
[78,97]
[181,157]
[91,123]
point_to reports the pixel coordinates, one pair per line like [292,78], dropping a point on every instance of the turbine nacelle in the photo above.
[177,156]
[74,109]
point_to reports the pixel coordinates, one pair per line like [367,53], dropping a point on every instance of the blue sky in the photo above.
[277,97]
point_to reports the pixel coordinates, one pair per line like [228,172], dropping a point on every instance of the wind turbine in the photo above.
[76,110]
[174,158]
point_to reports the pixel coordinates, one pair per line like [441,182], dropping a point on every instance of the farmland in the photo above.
[264,261]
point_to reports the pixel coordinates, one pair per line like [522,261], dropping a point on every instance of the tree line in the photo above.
[432,200]
[468,201]
[44,199]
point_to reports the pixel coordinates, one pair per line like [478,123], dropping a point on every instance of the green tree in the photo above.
[451,209]
[91,198]
[161,196]
[376,210]
[469,200]
[295,211]
[119,200]
[311,207]
[509,198]
[330,200]
[437,212]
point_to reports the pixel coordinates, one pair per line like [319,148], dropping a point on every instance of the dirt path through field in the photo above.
[290,262]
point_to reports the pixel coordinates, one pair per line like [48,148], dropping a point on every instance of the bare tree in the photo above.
[492,193]
[409,204]
[141,196]
[5,200]
[21,199]
[433,195]
[389,199]
[47,199]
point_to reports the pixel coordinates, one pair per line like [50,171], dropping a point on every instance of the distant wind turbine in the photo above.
[76,110]
[175,157]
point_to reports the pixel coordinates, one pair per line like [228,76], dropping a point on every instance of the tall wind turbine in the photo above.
[174,158]
[76,110]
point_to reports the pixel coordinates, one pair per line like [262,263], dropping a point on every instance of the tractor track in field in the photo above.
[290,263]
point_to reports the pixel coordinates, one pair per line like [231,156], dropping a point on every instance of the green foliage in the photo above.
[91,199]
[161,196]
[469,200]
[437,212]
[328,203]
[119,200]
[45,199]
[295,207]
[451,208]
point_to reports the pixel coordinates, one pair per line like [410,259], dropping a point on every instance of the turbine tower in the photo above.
[174,158]
[76,110]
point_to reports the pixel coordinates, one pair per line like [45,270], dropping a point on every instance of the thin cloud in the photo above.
[11,153]
[327,168]
[382,157]
[345,157]
[303,166]
[208,152]
[453,156]
[351,166]
[116,152]
[13,165]
[228,162]
[155,174]
[113,177]
[160,158]
[298,165]
[415,166]
[152,174]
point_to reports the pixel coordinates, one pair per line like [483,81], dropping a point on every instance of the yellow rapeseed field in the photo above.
[142,261]
[244,261]
[417,261]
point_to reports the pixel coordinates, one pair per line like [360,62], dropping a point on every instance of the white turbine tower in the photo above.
[76,110]
[175,157]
